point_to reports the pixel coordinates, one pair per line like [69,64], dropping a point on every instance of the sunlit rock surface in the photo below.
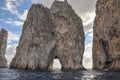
[3,45]
[106,43]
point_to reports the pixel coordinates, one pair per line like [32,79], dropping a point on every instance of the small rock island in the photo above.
[48,34]
[3,45]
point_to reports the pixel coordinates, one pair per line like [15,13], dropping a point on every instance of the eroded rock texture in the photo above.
[106,44]
[37,40]
[69,32]
[3,45]
[49,34]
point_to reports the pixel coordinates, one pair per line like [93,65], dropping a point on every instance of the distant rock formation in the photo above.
[69,36]
[3,45]
[106,43]
[49,34]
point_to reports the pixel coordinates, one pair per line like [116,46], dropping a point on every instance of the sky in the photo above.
[13,14]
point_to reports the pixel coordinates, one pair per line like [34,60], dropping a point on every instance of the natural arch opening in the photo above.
[56,65]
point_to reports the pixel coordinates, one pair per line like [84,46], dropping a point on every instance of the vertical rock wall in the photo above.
[106,42]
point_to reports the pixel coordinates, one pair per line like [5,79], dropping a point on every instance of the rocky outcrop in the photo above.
[106,43]
[49,34]
[3,45]
[37,40]
[69,36]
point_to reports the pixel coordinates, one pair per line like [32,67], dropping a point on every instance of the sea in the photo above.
[17,74]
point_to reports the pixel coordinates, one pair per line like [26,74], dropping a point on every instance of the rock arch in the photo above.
[47,34]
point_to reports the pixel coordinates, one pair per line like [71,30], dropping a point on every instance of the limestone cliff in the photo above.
[49,34]
[37,40]
[69,35]
[106,43]
[3,45]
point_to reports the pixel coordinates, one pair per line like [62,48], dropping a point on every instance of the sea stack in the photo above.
[48,34]
[37,40]
[3,45]
[106,40]
[69,35]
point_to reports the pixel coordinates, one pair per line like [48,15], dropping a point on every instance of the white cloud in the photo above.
[11,5]
[10,53]
[24,15]
[11,49]
[91,34]
[87,57]
[14,23]
[13,37]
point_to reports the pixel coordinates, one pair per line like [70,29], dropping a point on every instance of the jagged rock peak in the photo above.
[37,40]
[35,12]
[3,45]
[49,34]
[106,39]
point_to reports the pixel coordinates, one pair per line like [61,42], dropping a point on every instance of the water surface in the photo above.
[14,74]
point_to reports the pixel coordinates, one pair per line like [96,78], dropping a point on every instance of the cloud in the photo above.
[13,37]
[10,53]
[11,49]
[91,34]
[14,23]
[11,5]
[87,57]
[24,15]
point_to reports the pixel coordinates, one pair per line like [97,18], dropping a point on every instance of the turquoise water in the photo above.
[14,74]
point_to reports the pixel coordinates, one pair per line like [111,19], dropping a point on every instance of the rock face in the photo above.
[37,40]
[69,36]
[106,43]
[3,44]
[49,34]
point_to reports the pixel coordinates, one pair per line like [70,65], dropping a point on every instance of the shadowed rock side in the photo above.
[106,43]
[3,45]
[69,32]
[37,40]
